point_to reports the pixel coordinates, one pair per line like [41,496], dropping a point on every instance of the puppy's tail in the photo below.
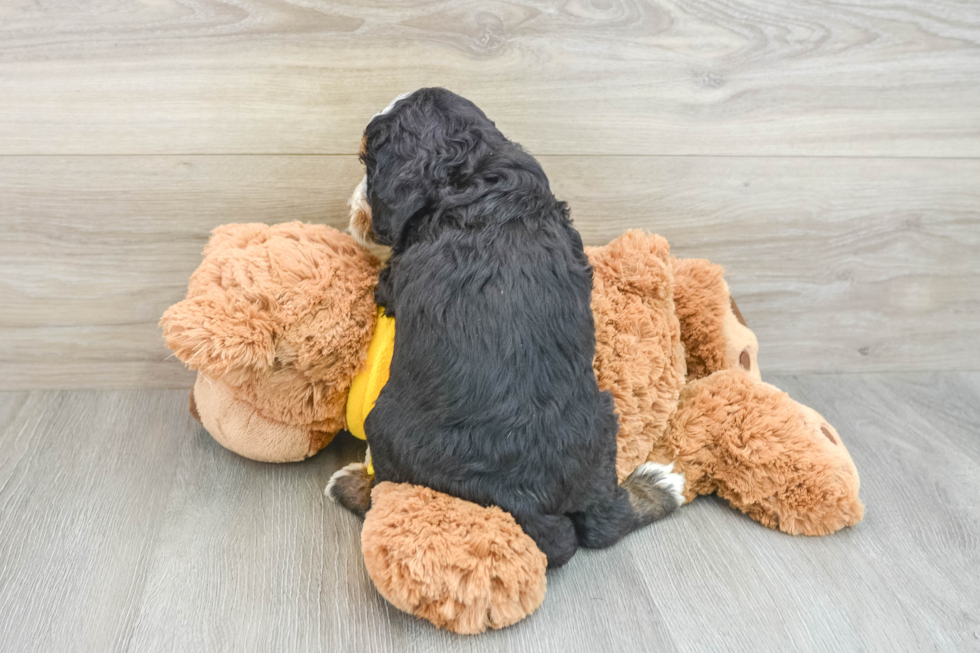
[655,491]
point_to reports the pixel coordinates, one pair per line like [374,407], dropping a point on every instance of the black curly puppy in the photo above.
[491,395]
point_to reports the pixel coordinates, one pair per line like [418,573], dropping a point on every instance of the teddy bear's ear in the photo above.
[216,333]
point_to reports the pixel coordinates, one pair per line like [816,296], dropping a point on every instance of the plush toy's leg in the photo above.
[459,565]
[774,459]
[714,333]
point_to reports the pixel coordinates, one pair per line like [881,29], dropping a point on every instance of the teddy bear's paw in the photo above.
[350,486]
[655,490]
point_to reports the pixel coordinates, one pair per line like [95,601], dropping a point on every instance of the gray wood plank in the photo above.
[123,526]
[279,568]
[912,437]
[259,561]
[95,249]
[837,264]
[729,584]
[84,481]
[893,78]
[599,601]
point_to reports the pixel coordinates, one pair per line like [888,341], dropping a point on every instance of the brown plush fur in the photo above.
[237,426]
[282,316]
[715,335]
[461,566]
[772,458]
[639,356]
[278,321]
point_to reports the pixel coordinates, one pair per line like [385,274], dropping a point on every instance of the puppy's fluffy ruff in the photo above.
[491,395]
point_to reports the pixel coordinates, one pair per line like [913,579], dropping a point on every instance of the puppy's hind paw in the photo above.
[350,486]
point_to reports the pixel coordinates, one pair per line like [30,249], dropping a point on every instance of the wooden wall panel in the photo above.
[838,264]
[89,263]
[826,153]
[739,77]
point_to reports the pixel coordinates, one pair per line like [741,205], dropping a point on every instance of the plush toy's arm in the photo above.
[639,357]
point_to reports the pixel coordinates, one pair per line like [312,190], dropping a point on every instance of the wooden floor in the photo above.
[125,527]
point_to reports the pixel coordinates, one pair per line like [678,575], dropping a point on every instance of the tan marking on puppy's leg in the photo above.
[655,489]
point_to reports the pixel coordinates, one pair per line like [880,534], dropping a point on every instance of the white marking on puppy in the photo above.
[360,215]
[360,209]
[350,470]
[393,103]
[666,478]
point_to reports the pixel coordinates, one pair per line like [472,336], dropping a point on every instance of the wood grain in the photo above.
[837,264]
[125,527]
[713,77]
[914,439]
[88,266]
[84,484]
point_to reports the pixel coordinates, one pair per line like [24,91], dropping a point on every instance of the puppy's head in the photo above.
[416,152]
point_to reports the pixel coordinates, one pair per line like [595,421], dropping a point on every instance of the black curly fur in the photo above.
[491,395]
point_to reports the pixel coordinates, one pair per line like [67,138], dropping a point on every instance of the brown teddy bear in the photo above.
[281,325]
